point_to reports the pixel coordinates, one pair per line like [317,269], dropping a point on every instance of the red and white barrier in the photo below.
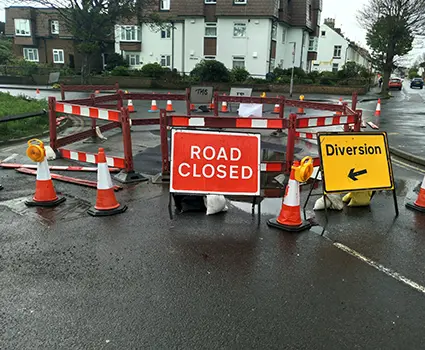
[86,157]
[228,122]
[306,135]
[325,121]
[91,112]
[55,167]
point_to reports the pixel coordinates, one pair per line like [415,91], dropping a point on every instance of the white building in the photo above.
[334,50]
[257,44]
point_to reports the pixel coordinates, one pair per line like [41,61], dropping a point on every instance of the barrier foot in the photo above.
[95,212]
[129,177]
[161,179]
[415,207]
[48,204]
[306,225]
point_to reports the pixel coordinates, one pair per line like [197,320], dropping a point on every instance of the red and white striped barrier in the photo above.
[86,157]
[228,122]
[306,135]
[373,126]
[325,121]
[55,167]
[85,111]
[271,167]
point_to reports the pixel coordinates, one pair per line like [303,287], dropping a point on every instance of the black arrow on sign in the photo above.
[353,174]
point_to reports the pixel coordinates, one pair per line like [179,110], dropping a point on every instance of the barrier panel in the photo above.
[92,88]
[115,118]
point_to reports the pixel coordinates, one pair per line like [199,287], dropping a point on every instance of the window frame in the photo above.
[166,58]
[167,32]
[167,5]
[210,58]
[210,25]
[274,30]
[34,50]
[241,24]
[210,2]
[135,56]
[323,33]
[335,69]
[20,21]
[129,29]
[238,58]
[336,51]
[55,23]
[58,51]
[240,2]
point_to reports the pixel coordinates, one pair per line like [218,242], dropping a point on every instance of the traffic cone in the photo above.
[290,215]
[97,92]
[130,106]
[154,107]
[224,108]
[378,109]
[212,104]
[276,109]
[45,194]
[301,109]
[193,108]
[106,203]
[337,114]
[419,204]
[169,107]
[37,93]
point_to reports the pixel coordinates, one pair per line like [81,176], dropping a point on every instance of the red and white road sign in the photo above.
[215,162]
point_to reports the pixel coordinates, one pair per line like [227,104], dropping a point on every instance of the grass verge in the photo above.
[16,105]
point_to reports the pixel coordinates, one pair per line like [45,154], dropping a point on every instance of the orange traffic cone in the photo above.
[340,104]
[154,107]
[97,92]
[276,109]
[193,108]
[169,107]
[130,106]
[290,215]
[106,203]
[419,205]
[224,108]
[37,93]
[45,194]
[378,109]
[212,105]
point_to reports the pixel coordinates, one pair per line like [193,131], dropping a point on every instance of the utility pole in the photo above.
[293,66]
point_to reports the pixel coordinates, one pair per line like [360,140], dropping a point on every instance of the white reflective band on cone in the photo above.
[43,172]
[292,199]
[104,181]
[423,184]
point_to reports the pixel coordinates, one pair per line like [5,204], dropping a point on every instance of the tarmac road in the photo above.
[142,281]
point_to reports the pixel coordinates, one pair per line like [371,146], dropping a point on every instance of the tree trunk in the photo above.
[85,69]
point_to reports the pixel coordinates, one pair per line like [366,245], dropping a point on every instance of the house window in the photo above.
[54,27]
[239,30]
[283,35]
[211,30]
[337,51]
[323,33]
[31,54]
[166,33]
[274,30]
[164,5]
[310,12]
[240,2]
[210,1]
[238,62]
[130,33]
[58,56]
[22,27]
[165,60]
[335,67]
[133,59]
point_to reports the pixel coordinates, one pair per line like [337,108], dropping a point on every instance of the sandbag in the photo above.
[333,202]
[215,204]
[358,199]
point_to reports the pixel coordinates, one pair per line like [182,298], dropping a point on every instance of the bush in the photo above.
[115,60]
[284,80]
[120,71]
[24,68]
[153,70]
[314,76]
[239,75]
[211,71]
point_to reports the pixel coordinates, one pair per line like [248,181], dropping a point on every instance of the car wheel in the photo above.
[422,87]
[399,89]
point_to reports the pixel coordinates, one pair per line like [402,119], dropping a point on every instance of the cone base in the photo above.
[304,226]
[129,177]
[170,111]
[415,207]
[96,212]
[303,113]
[275,112]
[46,204]
[153,110]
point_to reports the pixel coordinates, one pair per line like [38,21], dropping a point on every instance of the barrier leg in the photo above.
[290,147]
[128,175]
[358,123]
[52,126]
[164,176]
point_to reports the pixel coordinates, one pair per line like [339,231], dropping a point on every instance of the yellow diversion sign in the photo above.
[355,161]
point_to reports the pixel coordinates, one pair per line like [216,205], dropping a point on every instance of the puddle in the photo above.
[71,209]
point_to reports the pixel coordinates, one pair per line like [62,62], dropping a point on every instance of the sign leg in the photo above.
[395,203]
[326,214]
[170,205]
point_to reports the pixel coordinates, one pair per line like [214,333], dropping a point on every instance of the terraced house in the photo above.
[258,35]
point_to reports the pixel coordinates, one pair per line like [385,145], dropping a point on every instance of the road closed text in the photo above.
[215,162]
[208,170]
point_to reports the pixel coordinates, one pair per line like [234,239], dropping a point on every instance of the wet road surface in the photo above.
[141,280]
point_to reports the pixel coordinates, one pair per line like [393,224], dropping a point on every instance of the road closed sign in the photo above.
[215,162]
[355,161]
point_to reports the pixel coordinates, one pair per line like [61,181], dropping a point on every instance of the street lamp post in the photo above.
[293,66]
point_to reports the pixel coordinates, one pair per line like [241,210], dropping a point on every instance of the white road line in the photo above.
[14,155]
[407,166]
[379,267]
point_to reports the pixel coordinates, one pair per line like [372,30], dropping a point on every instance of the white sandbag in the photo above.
[250,110]
[215,204]
[333,202]
[50,154]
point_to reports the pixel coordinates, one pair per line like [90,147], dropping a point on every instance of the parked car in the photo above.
[395,83]
[417,82]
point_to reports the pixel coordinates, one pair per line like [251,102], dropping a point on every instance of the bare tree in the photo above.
[391,26]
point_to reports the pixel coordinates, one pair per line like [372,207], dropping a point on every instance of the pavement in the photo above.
[141,280]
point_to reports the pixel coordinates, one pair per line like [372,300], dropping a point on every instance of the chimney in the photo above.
[330,22]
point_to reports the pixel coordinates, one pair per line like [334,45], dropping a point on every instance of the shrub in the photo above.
[239,74]
[283,80]
[152,70]
[314,76]
[210,71]
[120,71]
[115,60]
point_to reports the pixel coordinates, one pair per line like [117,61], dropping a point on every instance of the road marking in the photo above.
[381,268]
[407,166]
[14,155]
